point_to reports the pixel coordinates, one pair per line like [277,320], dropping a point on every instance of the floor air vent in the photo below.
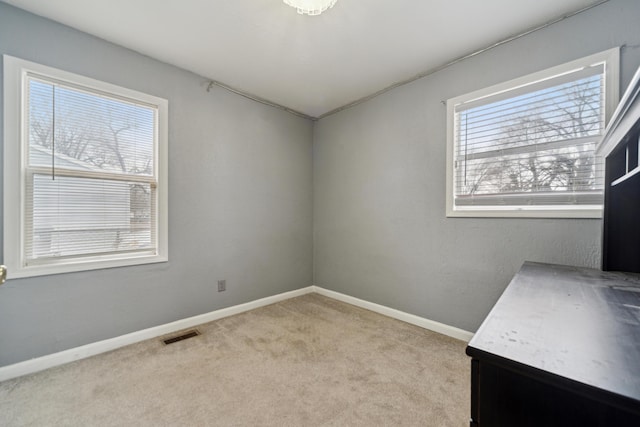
[185,336]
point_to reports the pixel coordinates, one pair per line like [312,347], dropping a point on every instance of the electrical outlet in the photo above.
[222,285]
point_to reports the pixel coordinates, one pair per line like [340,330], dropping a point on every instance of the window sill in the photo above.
[582,212]
[70,266]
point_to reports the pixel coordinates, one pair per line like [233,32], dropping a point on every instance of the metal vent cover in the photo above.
[183,336]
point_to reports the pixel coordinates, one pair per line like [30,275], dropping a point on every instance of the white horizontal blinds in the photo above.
[533,145]
[91,186]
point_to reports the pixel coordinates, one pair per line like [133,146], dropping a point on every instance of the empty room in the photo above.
[320,212]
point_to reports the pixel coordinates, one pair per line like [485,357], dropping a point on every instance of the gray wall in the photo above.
[380,231]
[242,185]
[240,205]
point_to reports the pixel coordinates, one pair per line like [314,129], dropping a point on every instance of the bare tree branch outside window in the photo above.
[538,142]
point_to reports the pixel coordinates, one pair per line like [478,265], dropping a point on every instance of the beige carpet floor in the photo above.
[307,361]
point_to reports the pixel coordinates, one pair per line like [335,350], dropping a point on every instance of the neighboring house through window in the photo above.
[526,147]
[85,182]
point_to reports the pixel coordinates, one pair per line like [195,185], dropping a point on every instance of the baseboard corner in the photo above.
[66,356]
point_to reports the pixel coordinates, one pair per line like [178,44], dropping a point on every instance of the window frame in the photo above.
[611,60]
[16,171]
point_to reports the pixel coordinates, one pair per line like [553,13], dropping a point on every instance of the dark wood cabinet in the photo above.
[561,347]
[621,229]
[620,148]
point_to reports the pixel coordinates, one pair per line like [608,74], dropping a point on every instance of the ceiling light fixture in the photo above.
[311,7]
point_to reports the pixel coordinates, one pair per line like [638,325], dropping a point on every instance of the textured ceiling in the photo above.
[309,64]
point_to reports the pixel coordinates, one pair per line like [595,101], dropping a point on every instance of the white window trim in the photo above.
[15,70]
[611,58]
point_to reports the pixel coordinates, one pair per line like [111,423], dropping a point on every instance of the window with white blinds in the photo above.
[92,186]
[527,147]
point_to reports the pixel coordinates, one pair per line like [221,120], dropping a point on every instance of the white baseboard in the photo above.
[431,325]
[56,359]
